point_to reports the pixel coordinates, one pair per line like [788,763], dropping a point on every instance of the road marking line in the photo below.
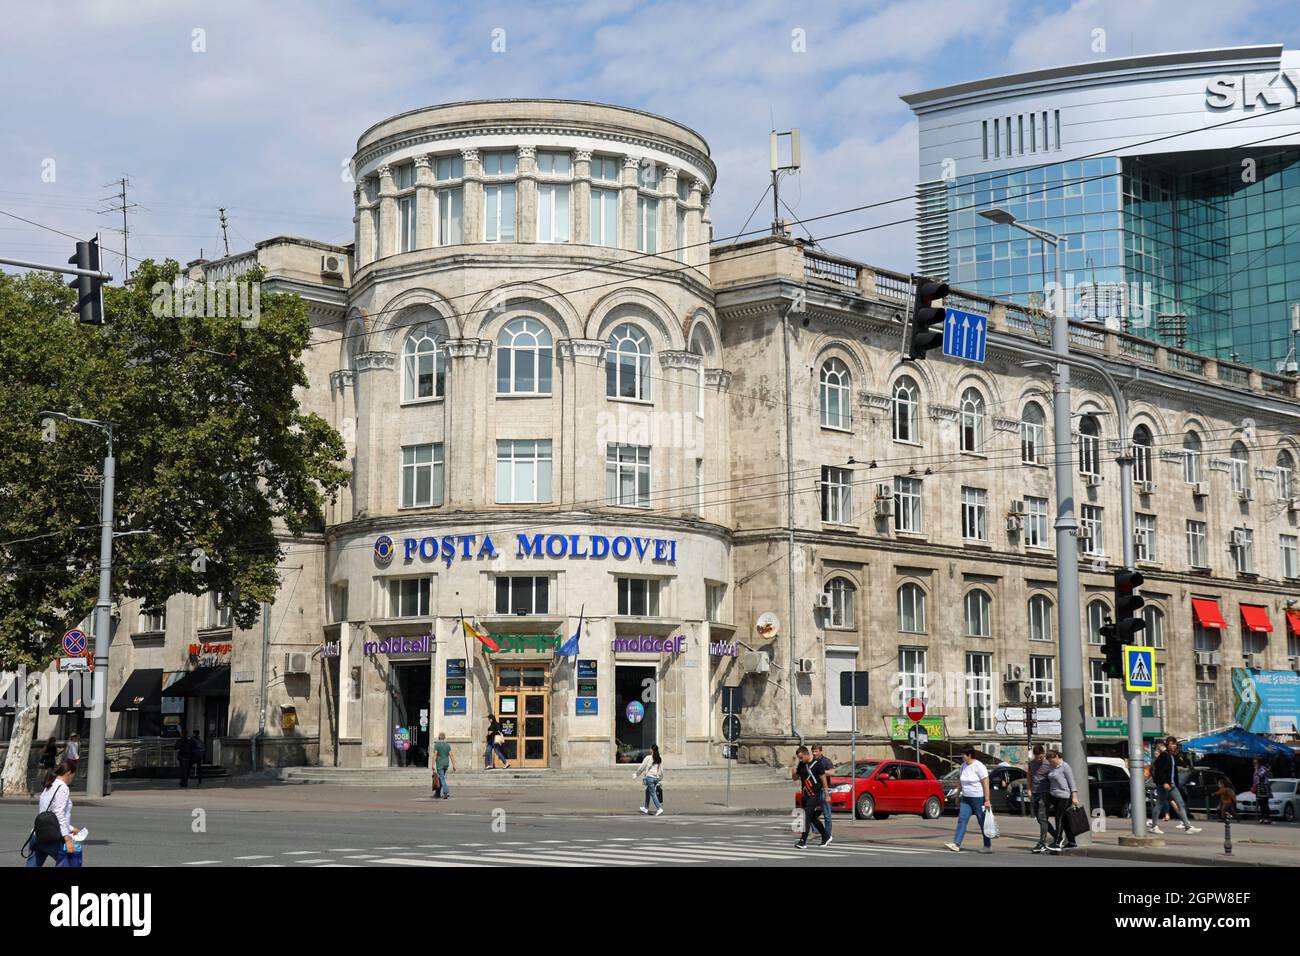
[512,859]
[324,865]
[346,849]
[558,858]
[200,862]
[399,861]
[300,852]
[320,859]
[363,856]
[255,856]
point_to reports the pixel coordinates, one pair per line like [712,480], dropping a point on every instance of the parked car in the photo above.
[1007,789]
[879,788]
[1284,802]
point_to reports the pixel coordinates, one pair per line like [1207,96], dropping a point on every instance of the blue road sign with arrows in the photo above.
[965,335]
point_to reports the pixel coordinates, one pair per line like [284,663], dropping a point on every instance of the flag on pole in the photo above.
[570,648]
[475,631]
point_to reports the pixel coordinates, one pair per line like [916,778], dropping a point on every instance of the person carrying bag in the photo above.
[52,830]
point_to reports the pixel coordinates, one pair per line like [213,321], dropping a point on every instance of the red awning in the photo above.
[1293,619]
[1207,613]
[1256,618]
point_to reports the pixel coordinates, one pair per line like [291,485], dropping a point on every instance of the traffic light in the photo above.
[90,295]
[1127,621]
[924,315]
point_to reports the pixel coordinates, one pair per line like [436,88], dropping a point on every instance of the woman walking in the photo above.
[1260,786]
[652,768]
[974,799]
[495,738]
[56,798]
[1064,794]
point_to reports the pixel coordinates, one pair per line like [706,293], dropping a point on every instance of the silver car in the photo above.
[1284,801]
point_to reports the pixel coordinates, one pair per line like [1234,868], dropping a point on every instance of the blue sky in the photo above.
[263,119]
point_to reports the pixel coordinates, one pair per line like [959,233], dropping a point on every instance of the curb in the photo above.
[1146,856]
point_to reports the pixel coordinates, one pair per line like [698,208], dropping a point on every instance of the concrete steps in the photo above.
[684,777]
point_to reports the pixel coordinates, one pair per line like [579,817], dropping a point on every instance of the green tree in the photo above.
[214,456]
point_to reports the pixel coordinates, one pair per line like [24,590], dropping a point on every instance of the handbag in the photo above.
[659,792]
[991,825]
[498,739]
[1076,821]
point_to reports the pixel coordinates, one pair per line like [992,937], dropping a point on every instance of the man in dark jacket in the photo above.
[197,751]
[184,757]
[1164,774]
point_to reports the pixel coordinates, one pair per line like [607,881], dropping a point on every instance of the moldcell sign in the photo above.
[450,547]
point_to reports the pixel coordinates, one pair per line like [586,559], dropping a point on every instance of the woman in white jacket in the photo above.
[652,768]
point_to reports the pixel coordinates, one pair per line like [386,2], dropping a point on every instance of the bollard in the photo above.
[1227,834]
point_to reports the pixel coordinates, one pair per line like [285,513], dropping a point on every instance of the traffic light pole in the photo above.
[1137,787]
[95,772]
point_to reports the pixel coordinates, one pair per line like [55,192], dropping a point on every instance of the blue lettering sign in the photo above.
[551,546]
[599,546]
[627,547]
[529,546]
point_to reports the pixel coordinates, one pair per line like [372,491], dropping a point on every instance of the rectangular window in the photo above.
[339,603]
[1197,551]
[523,471]
[499,213]
[979,692]
[1099,689]
[1288,544]
[679,252]
[1191,466]
[1243,550]
[523,595]
[405,176]
[218,610]
[1036,535]
[627,475]
[448,167]
[605,168]
[837,495]
[911,668]
[1031,441]
[1058,128]
[984,135]
[974,514]
[907,505]
[1144,537]
[1207,707]
[1042,678]
[500,163]
[604,217]
[451,216]
[152,619]
[1040,619]
[552,212]
[406,215]
[714,596]
[554,164]
[1292,643]
[422,483]
[699,486]
[638,597]
[647,224]
[408,597]
[1091,530]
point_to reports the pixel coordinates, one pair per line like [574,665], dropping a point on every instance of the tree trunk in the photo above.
[13,779]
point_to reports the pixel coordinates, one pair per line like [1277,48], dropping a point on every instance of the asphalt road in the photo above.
[181,836]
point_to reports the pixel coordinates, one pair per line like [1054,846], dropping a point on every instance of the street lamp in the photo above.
[95,776]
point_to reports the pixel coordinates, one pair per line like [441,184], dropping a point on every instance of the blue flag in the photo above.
[570,647]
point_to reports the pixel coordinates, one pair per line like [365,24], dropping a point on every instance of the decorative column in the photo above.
[387,212]
[357,256]
[668,215]
[581,374]
[466,443]
[697,255]
[366,212]
[627,200]
[345,420]
[372,380]
[424,202]
[680,370]
[526,195]
[717,442]
[580,221]
[472,196]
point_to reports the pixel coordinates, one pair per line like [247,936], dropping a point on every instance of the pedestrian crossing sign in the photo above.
[1140,669]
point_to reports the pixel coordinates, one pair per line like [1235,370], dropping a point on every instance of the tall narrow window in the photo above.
[627,475]
[912,674]
[1099,686]
[647,224]
[1142,454]
[1191,458]
[837,495]
[841,610]
[1239,459]
[1032,432]
[835,394]
[424,365]
[907,505]
[1036,523]
[905,407]
[979,611]
[972,421]
[604,217]
[524,358]
[1089,446]
[1285,469]
[1091,531]
[552,212]
[911,609]
[1042,676]
[1098,614]
[451,216]
[1040,618]
[974,514]
[1144,537]
[627,364]
[1197,550]
[979,692]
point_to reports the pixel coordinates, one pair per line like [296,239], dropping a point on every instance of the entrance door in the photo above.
[635,712]
[523,706]
[215,712]
[839,717]
[410,685]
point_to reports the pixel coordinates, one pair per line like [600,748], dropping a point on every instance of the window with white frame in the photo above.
[907,505]
[837,495]
[1033,432]
[422,475]
[627,475]
[604,217]
[1158,698]
[1036,531]
[681,247]
[499,212]
[605,169]
[1239,462]
[627,363]
[523,471]
[1253,642]
[1042,679]
[1198,554]
[151,619]
[906,405]
[524,358]
[1191,458]
[979,692]
[979,614]
[714,594]
[1207,706]
[647,224]
[552,163]
[1205,638]
[552,212]
[408,597]
[1285,469]
[638,597]
[424,364]
[972,421]
[1243,550]
[500,163]
[841,610]
[1099,689]
[1292,642]
[451,216]
[974,514]
[218,610]
[912,674]
[1287,544]
[406,223]
[447,168]
[1144,537]
[1142,454]
[834,394]
[1089,446]
[1040,618]
[1154,634]
[1091,529]
[911,609]
[1098,615]
[523,594]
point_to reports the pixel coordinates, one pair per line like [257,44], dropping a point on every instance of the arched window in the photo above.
[1040,618]
[701,345]
[1240,460]
[1155,629]
[841,611]
[1191,458]
[356,346]
[627,364]
[1089,446]
[835,394]
[979,614]
[1098,612]
[911,609]
[1033,432]
[906,406]
[972,420]
[1285,469]
[1142,454]
[524,358]
[424,364]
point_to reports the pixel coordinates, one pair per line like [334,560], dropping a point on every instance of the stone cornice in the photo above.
[676,360]
[943,413]
[875,400]
[468,348]
[1006,424]
[341,379]
[582,348]
[376,360]
[718,378]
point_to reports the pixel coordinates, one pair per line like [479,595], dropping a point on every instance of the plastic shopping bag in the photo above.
[990,825]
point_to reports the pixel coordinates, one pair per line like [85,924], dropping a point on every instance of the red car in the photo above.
[882,787]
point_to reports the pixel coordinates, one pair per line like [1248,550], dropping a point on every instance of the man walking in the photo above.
[821,760]
[442,759]
[197,751]
[1165,775]
[1039,770]
[184,758]
[811,784]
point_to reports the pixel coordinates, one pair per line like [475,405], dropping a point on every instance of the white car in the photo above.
[1284,802]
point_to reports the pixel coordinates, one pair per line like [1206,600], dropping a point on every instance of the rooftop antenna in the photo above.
[224,240]
[774,140]
[121,205]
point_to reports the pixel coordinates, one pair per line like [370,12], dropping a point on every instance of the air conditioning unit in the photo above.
[331,266]
[755,662]
[1293,505]
[1091,480]
[1099,564]
[1205,658]
[807,665]
[1018,507]
[884,507]
[1246,494]
[1014,522]
[822,600]
[1238,538]
[1254,660]
[1013,673]
[297,662]
[1085,543]
[884,491]
[1146,487]
[1201,489]
[1294,663]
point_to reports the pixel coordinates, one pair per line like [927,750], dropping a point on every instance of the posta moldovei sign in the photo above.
[464,547]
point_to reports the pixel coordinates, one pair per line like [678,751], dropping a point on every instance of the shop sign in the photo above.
[586,669]
[1116,728]
[635,712]
[587,706]
[400,645]
[586,688]
[1248,90]
[1264,700]
[330,649]
[649,645]
[520,643]
[456,687]
[455,667]
[723,649]
[450,547]
[453,706]
[210,650]
[901,727]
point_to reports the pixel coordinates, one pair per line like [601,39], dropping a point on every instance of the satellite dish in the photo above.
[768,626]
